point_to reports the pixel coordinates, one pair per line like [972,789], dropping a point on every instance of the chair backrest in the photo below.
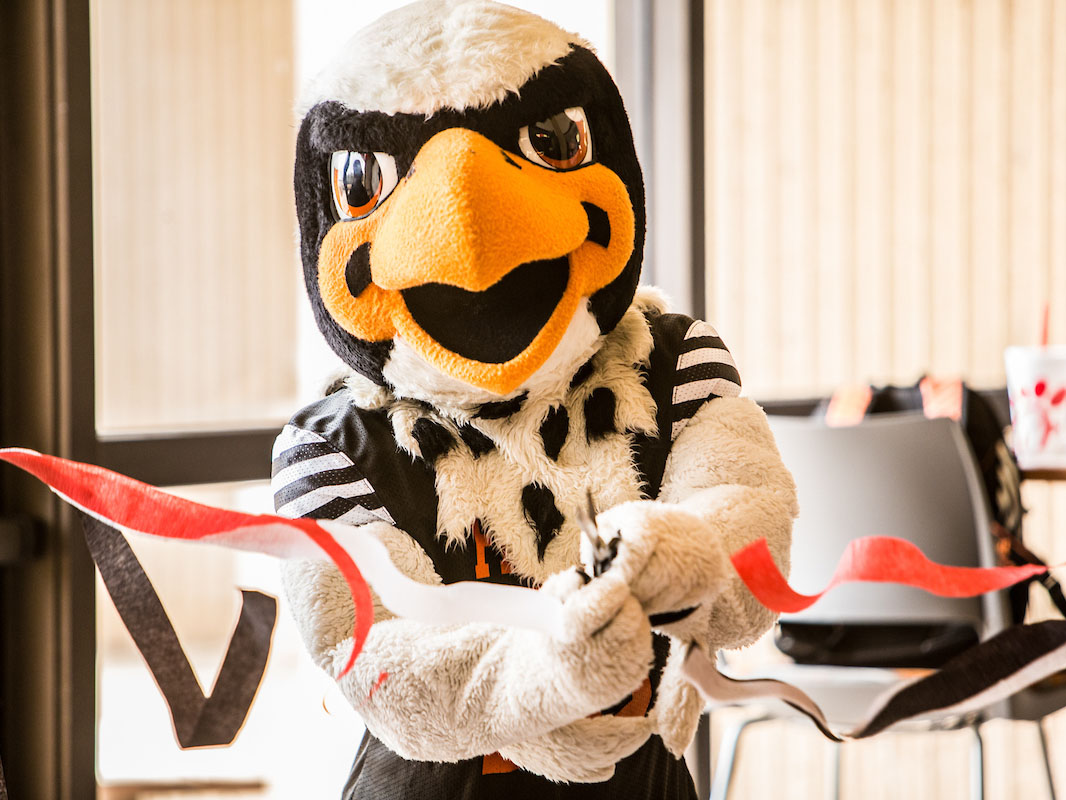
[892,475]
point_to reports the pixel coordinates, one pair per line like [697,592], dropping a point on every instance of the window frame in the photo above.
[662,82]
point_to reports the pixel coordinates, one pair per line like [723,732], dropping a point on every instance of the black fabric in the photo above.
[651,773]
[347,496]
[538,504]
[553,431]
[301,452]
[688,409]
[668,334]
[712,369]
[860,645]
[329,477]
[497,324]
[599,413]
[407,489]
[578,79]
[339,506]
[660,645]
[403,484]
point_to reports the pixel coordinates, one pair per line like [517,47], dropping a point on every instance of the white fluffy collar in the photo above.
[414,379]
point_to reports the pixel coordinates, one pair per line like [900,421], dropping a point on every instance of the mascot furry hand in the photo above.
[472,220]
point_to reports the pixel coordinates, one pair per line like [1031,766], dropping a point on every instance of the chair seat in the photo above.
[845,694]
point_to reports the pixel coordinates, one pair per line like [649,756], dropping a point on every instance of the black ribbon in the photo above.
[970,673]
[199,720]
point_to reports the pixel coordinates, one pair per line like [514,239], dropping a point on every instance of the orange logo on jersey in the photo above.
[481,565]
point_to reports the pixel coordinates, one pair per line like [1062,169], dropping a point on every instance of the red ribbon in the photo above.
[133,505]
[878,559]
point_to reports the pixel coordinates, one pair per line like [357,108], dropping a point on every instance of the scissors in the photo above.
[603,553]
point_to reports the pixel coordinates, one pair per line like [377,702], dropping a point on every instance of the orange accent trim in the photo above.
[638,705]
[466,217]
[495,764]
[848,406]
[941,398]
[481,567]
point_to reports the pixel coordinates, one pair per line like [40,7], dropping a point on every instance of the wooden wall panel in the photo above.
[198,281]
[886,184]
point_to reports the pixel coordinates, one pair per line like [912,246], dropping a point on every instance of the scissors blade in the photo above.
[586,521]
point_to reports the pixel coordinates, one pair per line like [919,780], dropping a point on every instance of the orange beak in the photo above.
[468,215]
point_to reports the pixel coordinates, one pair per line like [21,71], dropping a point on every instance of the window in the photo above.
[204,339]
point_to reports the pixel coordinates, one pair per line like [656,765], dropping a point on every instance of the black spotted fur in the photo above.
[582,374]
[478,442]
[433,439]
[544,517]
[501,408]
[599,413]
[553,431]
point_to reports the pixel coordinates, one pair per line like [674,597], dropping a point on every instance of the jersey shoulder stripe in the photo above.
[705,370]
[312,478]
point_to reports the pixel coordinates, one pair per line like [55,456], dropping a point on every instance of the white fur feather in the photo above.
[438,54]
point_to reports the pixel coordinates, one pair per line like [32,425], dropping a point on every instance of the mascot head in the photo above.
[470,204]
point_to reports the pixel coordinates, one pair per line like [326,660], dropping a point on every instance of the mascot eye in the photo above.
[360,181]
[562,141]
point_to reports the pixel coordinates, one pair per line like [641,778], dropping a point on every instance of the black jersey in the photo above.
[340,461]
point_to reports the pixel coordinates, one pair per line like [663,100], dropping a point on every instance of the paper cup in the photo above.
[1036,385]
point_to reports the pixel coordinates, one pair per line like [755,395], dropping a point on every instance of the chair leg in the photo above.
[977,764]
[1047,761]
[727,756]
[700,752]
[832,769]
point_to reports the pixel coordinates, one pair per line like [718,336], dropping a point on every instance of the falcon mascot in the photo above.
[471,221]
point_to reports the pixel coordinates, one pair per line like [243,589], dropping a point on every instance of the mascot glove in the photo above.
[463,691]
[584,751]
[605,643]
[671,558]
